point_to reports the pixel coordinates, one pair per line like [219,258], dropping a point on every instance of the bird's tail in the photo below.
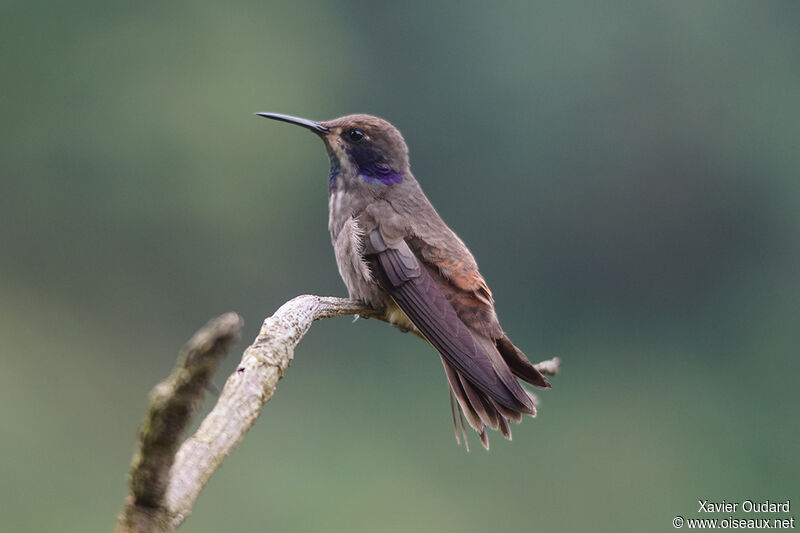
[479,409]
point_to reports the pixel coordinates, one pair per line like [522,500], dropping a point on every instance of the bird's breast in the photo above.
[335,222]
[348,246]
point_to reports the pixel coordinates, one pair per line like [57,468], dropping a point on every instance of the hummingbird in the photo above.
[396,255]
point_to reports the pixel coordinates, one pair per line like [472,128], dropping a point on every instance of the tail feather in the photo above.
[522,400]
[465,407]
[519,364]
[505,429]
[484,438]
[480,410]
[463,427]
[485,410]
[508,414]
[455,420]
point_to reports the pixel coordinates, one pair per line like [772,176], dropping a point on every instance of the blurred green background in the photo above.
[625,173]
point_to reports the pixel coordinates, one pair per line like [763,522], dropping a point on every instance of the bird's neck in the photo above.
[355,182]
[333,175]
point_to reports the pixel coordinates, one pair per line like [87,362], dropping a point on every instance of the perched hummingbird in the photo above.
[396,255]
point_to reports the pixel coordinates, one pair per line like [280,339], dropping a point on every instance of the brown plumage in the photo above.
[396,254]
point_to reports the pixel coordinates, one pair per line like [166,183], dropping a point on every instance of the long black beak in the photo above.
[316,127]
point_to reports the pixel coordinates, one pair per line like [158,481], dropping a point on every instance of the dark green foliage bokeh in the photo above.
[625,173]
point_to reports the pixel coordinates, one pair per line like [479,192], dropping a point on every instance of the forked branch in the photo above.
[165,483]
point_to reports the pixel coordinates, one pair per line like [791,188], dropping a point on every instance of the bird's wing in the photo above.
[453,267]
[456,264]
[462,284]
[446,258]
[400,273]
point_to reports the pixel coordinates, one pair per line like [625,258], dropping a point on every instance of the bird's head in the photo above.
[364,150]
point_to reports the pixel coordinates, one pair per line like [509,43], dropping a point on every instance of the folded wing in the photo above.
[479,374]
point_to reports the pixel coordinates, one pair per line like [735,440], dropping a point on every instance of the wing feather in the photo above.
[418,295]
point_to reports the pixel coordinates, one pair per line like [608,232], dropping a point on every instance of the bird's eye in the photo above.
[355,135]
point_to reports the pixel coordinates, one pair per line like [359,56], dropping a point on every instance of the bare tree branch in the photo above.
[252,384]
[163,490]
[172,405]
